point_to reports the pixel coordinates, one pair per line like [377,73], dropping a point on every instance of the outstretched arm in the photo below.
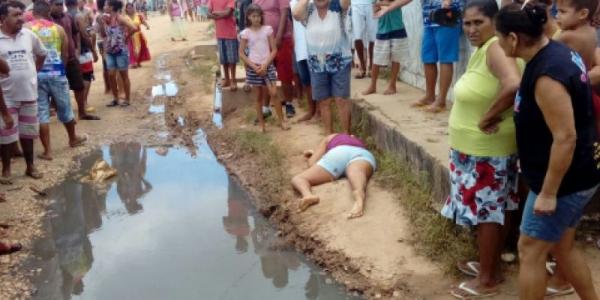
[320,151]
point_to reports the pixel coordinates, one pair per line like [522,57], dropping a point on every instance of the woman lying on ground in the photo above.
[336,155]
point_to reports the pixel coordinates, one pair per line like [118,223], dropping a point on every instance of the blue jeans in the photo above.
[550,228]
[58,89]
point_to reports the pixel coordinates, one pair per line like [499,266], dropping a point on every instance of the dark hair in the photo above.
[12,3]
[253,8]
[128,5]
[41,8]
[70,3]
[590,5]
[117,5]
[527,22]
[100,4]
[488,8]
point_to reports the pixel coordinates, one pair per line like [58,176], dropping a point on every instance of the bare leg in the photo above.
[278,107]
[227,81]
[27,146]
[288,91]
[6,151]
[259,102]
[446,73]
[74,140]
[431,73]
[303,182]
[371,48]
[373,87]
[80,99]
[106,77]
[358,174]
[360,52]
[325,110]
[112,75]
[391,89]
[344,113]
[232,76]
[126,85]
[532,270]
[312,106]
[45,139]
[573,266]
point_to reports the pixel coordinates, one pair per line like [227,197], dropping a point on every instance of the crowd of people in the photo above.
[47,51]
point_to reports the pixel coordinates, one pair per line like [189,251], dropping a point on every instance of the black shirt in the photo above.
[534,138]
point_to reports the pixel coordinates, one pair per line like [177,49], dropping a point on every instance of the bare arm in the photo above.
[64,48]
[242,53]
[382,8]
[283,15]
[595,72]
[320,151]
[125,23]
[273,45]
[555,103]
[506,70]
[300,10]
[4,67]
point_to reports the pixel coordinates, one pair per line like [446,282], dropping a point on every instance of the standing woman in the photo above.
[176,12]
[555,128]
[483,155]
[138,45]
[116,53]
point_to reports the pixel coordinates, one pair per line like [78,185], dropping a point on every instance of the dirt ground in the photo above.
[371,254]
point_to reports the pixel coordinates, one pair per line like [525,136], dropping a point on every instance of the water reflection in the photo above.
[194,235]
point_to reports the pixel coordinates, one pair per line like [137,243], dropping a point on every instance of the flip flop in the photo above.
[90,117]
[554,292]
[45,157]
[550,267]
[6,248]
[79,142]
[464,292]
[125,104]
[35,174]
[469,268]
[113,103]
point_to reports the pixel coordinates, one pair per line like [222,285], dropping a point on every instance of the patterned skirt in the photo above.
[481,188]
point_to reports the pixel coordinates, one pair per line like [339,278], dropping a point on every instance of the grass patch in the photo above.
[434,236]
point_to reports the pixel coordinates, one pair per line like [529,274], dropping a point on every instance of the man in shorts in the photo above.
[52,81]
[23,52]
[87,55]
[73,70]
[364,28]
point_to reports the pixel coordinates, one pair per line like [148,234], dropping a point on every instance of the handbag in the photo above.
[446,16]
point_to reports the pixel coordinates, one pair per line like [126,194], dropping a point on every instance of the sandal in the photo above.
[35,174]
[113,103]
[464,292]
[469,268]
[79,142]
[6,248]
[125,104]
[6,181]
[555,292]
[90,117]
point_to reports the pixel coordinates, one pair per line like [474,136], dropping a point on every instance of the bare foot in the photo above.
[369,91]
[307,202]
[226,83]
[358,208]
[390,91]
[285,126]
[474,289]
[33,173]
[45,156]
[436,108]
[234,87]
[425,101]
[306,117]
[79,141]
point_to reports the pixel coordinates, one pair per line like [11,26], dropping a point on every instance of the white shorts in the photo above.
[387,51]
[364,25]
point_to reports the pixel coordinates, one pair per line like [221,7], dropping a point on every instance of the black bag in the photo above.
[446,16]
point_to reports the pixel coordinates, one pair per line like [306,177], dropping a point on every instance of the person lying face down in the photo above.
[337,155]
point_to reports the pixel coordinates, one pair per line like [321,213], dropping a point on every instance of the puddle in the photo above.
[170,226]
[218,103]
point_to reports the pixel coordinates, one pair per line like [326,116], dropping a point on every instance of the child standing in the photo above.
[222,12]
[391,43]
[260,71]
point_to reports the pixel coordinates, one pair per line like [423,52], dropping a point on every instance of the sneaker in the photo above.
[290,111]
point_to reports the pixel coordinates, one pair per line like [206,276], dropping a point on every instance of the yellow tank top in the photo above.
[474,93]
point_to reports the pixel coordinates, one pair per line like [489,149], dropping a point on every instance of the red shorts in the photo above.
[283,60]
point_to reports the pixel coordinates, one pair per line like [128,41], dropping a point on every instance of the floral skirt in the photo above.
[481,188]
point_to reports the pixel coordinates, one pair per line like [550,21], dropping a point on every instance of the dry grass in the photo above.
[435,236]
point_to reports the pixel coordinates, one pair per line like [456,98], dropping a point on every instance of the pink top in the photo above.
[224,28]
[272,8]
[258,43]
[344,140]
[175,9]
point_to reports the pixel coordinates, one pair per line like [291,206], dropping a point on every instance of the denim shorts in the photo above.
[550,228]
[331,84]
[440,44]
[58,89]
[303,72]
[117,61]
[336,160]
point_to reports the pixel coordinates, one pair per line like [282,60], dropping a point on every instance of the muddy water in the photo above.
[170,226]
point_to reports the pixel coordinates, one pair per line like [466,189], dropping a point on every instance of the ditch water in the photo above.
[169,226]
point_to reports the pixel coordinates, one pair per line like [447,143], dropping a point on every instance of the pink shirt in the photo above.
[258,43]
[271,8]
[224,28]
